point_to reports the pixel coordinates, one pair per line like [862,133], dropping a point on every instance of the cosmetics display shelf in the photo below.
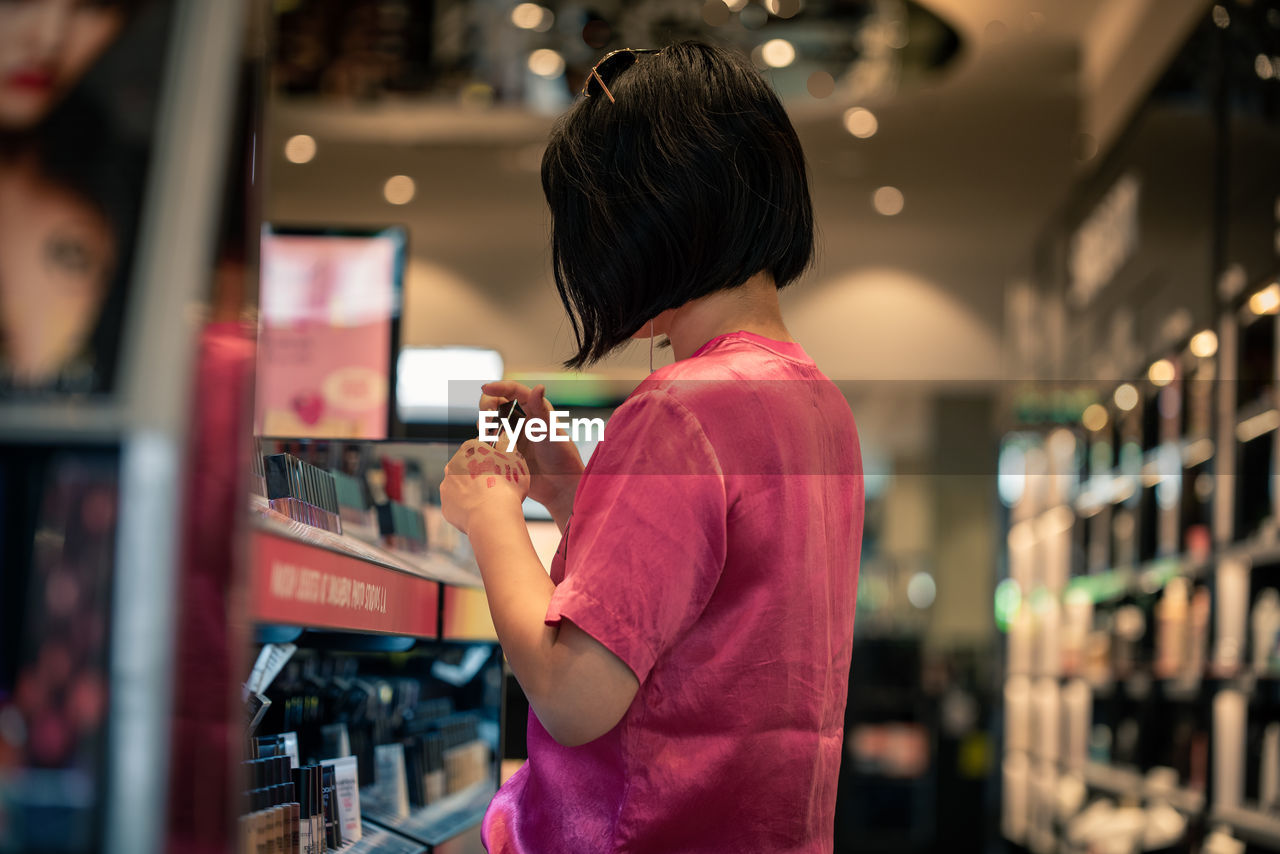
[432,564]
[1122,781]
[440,821]
[1253,826]
[304,576]
[375,840]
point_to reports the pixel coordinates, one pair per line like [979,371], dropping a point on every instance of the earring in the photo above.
[650,346]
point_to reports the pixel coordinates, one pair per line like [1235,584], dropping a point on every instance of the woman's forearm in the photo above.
[518,589]
[577,688]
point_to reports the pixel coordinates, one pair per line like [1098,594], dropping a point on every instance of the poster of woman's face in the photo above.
[79,82]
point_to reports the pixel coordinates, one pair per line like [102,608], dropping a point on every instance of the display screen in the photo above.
[442,385]
[329,313]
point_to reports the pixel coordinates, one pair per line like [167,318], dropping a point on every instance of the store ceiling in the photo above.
[983,153]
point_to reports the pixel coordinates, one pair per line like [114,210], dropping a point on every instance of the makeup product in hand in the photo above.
[302,492]
[508,413]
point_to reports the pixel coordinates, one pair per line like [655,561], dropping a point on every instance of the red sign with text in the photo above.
[302,585]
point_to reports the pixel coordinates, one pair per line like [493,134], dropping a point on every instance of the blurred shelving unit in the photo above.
[1143,527]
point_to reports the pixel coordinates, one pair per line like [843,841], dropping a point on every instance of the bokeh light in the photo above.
[1204,343]
[300,148]
[861,122]
[921,590]
[888,201]
[1126,397]
[531,16]
[399,189]
[821,84]
[778,53]
[1094,417]
[545,62]
[1161,372]
[1266,301]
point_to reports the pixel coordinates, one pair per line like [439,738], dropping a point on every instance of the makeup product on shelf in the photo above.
[302,492]
[1017,714]
[358,517]
[308,841]
[285,744]
[274,817]
[1269,769]
[389,769]
[329,795]
[1231,592]
[1129,625]
[1077,621]
[257,475]
[403,528]
[1266,630]
[347,796]
[1048,638]
[1171,628]
[1045,732]
[1021,640]
[1197,636]
[1015,809]
[1229,717]
[1077,707]
[334,741]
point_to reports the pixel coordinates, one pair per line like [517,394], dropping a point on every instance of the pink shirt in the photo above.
[713,548]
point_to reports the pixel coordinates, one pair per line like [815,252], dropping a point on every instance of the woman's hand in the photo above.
[478,479]
[555,467]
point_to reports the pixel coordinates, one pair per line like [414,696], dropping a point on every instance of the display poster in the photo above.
[79,88]
[329,306]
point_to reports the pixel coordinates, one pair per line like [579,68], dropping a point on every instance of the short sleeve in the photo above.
[646,544]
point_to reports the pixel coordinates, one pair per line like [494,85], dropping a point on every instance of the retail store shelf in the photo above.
[1252,826]
[1126,781]
[375,840]
[433,564]
[304,576]
[443,820]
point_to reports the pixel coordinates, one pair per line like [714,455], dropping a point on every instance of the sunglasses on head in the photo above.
[610,67]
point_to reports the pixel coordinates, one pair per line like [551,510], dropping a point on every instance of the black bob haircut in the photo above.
[690,182]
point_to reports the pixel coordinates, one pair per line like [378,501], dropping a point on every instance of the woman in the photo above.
[686,662]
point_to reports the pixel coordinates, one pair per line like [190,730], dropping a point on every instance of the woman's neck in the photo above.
[751,307]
